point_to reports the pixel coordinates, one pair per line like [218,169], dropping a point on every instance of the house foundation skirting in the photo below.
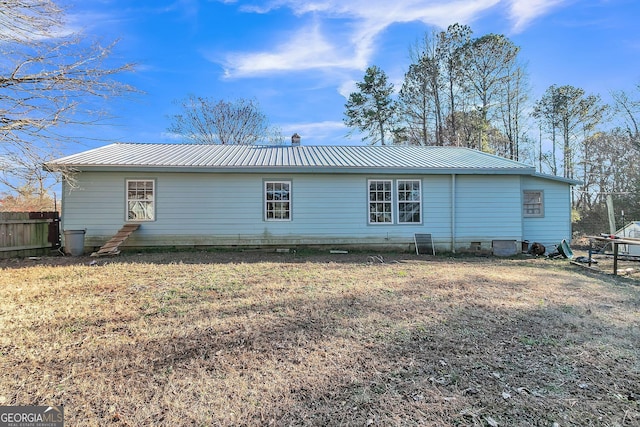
[399,243]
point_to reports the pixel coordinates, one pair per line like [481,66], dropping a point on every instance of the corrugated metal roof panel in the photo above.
[302,157]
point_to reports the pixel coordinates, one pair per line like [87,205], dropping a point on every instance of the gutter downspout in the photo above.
[453,213]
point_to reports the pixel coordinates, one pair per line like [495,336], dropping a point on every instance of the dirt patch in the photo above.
[255,338]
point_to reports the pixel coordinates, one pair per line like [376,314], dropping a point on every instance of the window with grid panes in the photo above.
[380,202]
[409,201]
[277,196]
[140,200]
[533,203]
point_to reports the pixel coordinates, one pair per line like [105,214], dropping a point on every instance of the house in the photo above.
[335,196]
[632,231]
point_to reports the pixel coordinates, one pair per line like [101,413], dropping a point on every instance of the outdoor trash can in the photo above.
[74,242]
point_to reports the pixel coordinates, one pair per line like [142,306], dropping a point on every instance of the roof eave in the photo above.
[290,169]
[557,178]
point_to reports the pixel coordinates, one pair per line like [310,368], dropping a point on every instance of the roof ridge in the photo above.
[304,158]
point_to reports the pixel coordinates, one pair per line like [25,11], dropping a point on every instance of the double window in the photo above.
[533,203]
[406,196]
[140,200]
[277,200]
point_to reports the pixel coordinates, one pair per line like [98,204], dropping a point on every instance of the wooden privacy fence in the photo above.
[28,233]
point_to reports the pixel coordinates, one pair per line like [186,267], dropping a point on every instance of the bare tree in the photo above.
[547,112]
[488,61]
[22,170]
[51,81]
[629,108]
[511,109]
[27,199]
[23,20]
[420,105]
[566,110]
[611,168]
[464,91]
[43,85]
[451,46]
[207,121]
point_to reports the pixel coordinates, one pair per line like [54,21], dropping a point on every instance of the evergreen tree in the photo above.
[371,110]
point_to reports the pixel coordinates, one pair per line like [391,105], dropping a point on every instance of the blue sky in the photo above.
[300,59]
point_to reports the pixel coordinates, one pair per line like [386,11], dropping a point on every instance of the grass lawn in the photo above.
[241,338]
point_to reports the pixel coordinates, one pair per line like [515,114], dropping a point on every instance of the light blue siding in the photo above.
[555,225]
[487,208]
[227,209]
[436,209]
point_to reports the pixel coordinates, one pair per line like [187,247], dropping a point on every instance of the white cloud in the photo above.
[307,48]
[384,12]
[321,45]
[324,127]
[317,46]
[317,133]
[524,11]
[347,88]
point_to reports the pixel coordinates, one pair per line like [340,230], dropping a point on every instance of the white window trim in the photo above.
[153,200]
[530,215]
[390,202]
[419,201]
[290,201]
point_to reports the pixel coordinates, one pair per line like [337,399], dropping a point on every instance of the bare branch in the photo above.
[205,121]
[630,110]
[50,84]
[28,20]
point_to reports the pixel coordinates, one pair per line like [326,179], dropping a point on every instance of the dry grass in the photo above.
[275,339]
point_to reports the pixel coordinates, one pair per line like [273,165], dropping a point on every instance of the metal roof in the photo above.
[247,158]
